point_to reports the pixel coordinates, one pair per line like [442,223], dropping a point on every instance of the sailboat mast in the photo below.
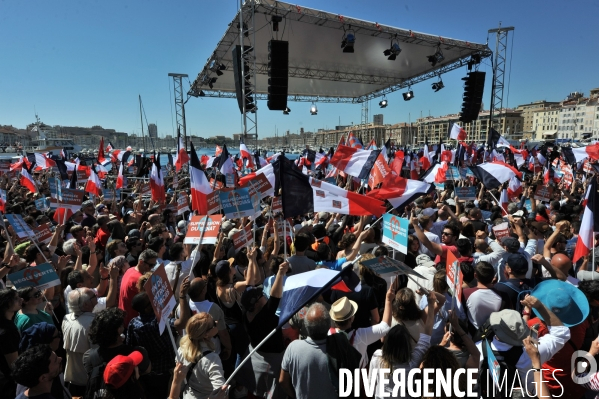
[141,119]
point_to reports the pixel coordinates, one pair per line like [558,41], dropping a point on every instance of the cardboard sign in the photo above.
[395,232]
[42,276]
[161,296]
[544,193]
[277,206]
[18,224]
[43,204]
[284,228]
[439,186]
[453,173]
[230,179]
[216,186]
[55,187]
[213,200]
[145,189]
[82,175]
[455,279]
[43,234]
[196,225]
[182,204]
[4,166]
[385,266]
[239,203]
[493,364]
[501,230]
[243,238]
[466,193]
[528,205]
[71,199]
[261,184]
[109,194]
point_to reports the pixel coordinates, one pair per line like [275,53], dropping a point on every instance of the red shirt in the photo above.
[127,292]
[102,237]
[561,360]
[443,258]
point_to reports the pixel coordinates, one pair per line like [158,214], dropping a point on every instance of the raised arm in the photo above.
[435,248]
[276,290]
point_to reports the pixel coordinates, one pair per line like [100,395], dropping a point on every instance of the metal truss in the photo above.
[179,103]
[501,35]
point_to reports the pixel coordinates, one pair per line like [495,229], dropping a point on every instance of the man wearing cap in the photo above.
[508,331]
[89,211]
[515,270]
[343,312]
[572,307]
[426,268]
[514,246]
[121,368]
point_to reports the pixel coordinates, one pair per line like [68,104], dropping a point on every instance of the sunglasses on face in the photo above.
[446,234]
[37,295]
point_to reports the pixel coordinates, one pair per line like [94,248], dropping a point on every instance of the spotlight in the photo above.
[437,57]
[216,67]
[438,85]
[383,103]
[393,51]
[201,94]
[348,41]
[408,95]
[474,60]
[286,111]
[275,22]
[211,82]
[313,109]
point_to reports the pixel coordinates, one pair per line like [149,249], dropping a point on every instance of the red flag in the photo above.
[157,185]
[93,185]
[27,181]
[182,157]
[397,162]
[101,158]
[120,178]
[379,171]
[200,187]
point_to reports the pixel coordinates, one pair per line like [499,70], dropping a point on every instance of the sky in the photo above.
[84,63]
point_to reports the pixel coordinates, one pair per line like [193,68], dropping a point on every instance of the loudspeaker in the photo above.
[237,59]
[474,86]
[278,74]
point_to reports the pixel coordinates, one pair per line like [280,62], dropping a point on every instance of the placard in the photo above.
[21,228]
[55,186]
[145,189]
[277,205]
[161,296]
[544,193]
[455,279]
[261,184]
[109,194]
[528,205]
[501,231]
[216,186]
[243,238]
[196,225]
[395,232]
[230,179]
[493,364]
[42,204]
[466,193]
[4,166]
[71,199]
[213,200]
[182,204]
[439,186]
[386,266]
[41,276]
[239,203]
[43,234]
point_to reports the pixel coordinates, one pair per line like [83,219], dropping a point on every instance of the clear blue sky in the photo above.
[83,63]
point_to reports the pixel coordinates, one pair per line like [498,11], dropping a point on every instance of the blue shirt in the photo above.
[333,264]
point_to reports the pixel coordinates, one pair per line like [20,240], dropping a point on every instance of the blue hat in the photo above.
[568,303]
[222,269]
[40,333]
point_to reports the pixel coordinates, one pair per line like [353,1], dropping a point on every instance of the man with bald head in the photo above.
[305,363]
[558,268]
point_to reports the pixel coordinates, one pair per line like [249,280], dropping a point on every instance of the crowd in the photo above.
[96,334]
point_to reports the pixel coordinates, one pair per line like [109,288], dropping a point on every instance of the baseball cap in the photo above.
[428,212]
[511,243]
[222,269]
[323,215]
[518,264]
[509,326]
[87,204]
[120,368]
[226,226]
[134,233]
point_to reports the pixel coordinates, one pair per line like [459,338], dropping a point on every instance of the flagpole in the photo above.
[249,356]
[8,238]
[498,202]
[32,238]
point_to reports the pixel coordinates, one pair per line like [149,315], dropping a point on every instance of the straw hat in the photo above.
[343,309]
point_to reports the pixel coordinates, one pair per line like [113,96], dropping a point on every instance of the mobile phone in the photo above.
[534,334]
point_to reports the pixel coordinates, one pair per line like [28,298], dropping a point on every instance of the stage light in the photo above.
[286,111]
[393,51]
[202,94]
[275,22]
[313,109]
[211,82]
[474,60]
[408,95]
[438,85]
[348,41]
[216,67]
[383,103]
[437,57]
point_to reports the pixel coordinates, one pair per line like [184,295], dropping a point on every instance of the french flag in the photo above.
[386,147]
[514,189]
[101,158]
[109,147]
[224,162]
[400,192]
[27,181]
[43,162]
[3,201]
[218,151]
[267,171]
[353,141]
[589,224]
[354,161]
[157,184]
[246,154]
[436,173]
[574,155]
[62,214]
[120,180]
[504,200]
[341,141]
[260,162]
[458,133]
[494,174]
[330,198]
[200,187]
[372,145]
[93,185]
[301,289]
[182,157]
[102,171]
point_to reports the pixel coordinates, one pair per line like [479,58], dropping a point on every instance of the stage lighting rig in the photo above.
[216,67]
[437,57]
[383,103]
[348,40]
[286,111]
[438,85]
[393,51]
[408,95]
[313,109]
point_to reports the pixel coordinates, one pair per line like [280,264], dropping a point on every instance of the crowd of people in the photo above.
[96,334]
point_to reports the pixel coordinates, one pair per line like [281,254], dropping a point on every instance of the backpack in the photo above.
[522,292]
[507,361]
[95,387]
[189,374]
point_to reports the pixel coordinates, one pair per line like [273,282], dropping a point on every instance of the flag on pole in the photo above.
[157,184]
[120,180]
[200,187]
[589,224]
[354,161]
[182,157]
[93,185]
[27,181]
[458,133]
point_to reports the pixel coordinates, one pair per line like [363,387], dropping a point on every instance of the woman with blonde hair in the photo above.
[205,371]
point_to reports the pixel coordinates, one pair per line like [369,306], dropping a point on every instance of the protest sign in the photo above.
[216,186]
[196,225]
[41,276]
[528,205]
[455,279]
[439,186]
[544,193]
[277,205]
[501,231]
[43,234]
[243,238]
[213,201]
[145,189]
[182,204]
[493,364]
[230,179]
[71,199]
[385,266]
[395,232]
[55,187]
[4,166]
[466,193]
[109,194]
[43,204]
[161,296]
[21,228]
[284,228]
[239,203]
[453,173]
[261,184]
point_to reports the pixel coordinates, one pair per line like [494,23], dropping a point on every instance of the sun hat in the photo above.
[509,326]
[424,260]
[343,309]
[568,303]
[120,368]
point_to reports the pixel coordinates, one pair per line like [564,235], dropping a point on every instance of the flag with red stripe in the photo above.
[93,184]
[589,224]
[458,133]
[200,187]
[27,181]
[354,161]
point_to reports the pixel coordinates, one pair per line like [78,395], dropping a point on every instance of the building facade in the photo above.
[153,130]
[378,120]
[546,122]
[528,114]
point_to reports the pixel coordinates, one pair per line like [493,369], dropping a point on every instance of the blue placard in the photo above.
[494,367]
[528,205]
[18,224]
[395,232]
[109,194]
[439,186]
[238,203]
[55,186]
[466,193]
[42,276]
[230,179]
[43,204]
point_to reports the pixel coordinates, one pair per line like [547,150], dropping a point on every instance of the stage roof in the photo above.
[318,68]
